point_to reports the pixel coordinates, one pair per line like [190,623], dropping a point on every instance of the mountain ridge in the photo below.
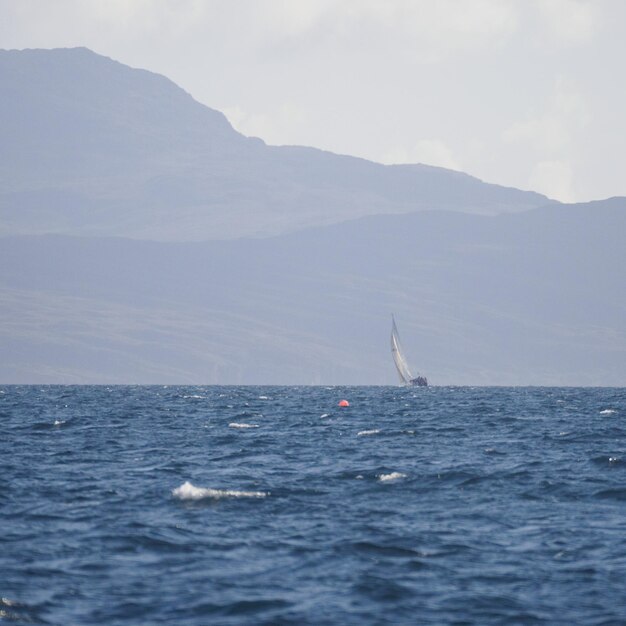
[529,298]
[93,147]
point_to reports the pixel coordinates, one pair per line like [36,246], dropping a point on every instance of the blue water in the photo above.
[156,505]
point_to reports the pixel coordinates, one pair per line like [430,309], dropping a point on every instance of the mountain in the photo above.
[144,240]
[527,298]
[89,146]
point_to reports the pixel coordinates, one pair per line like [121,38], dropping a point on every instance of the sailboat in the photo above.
[399,359]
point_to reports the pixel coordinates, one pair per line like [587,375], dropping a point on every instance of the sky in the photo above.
[523,93]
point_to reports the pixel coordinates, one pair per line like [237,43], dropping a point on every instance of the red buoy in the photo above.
[343,403]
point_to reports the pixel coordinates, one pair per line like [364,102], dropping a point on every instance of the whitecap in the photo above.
[240,425]
[324,415]
[393,476]
[608,412]
[363,433]
[263,398]
[187,491]
[59,422]
[194,396]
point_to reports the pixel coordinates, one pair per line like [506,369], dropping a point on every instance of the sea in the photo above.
[202,505]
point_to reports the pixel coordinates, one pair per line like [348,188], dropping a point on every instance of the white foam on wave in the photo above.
[242,425]
[263,398]
[187,491]
[393,476]
[365,433]
[59,422]
[324,415]
[608,412]
[194,396]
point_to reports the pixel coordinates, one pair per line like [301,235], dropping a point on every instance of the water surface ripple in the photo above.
[271,505]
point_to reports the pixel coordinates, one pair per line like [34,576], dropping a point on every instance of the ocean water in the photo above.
[272,505]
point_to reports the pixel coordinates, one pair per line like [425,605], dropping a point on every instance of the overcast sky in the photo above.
[527,93]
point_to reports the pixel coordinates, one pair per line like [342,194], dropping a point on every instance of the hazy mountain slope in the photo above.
[530,298]
[92,147]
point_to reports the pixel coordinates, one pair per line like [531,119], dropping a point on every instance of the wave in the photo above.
[382,549]
[364,433]
[603,460]
[242,425]
[389,477]
[618,493]
[187,491]
[608,412]
[19,612]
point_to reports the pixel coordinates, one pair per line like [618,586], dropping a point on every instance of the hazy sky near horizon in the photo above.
[526,93]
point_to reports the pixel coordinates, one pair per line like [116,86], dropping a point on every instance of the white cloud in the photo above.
[554,179]
[481,17]
[170,19]
[426,151]
[552,139]
[65,23]
[423,30]
[294,18]
[552,131]
[285,120]
[570,21]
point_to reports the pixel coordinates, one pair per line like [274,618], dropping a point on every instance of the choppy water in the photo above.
[249,505]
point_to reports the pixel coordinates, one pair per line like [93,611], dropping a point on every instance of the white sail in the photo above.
[398,357]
